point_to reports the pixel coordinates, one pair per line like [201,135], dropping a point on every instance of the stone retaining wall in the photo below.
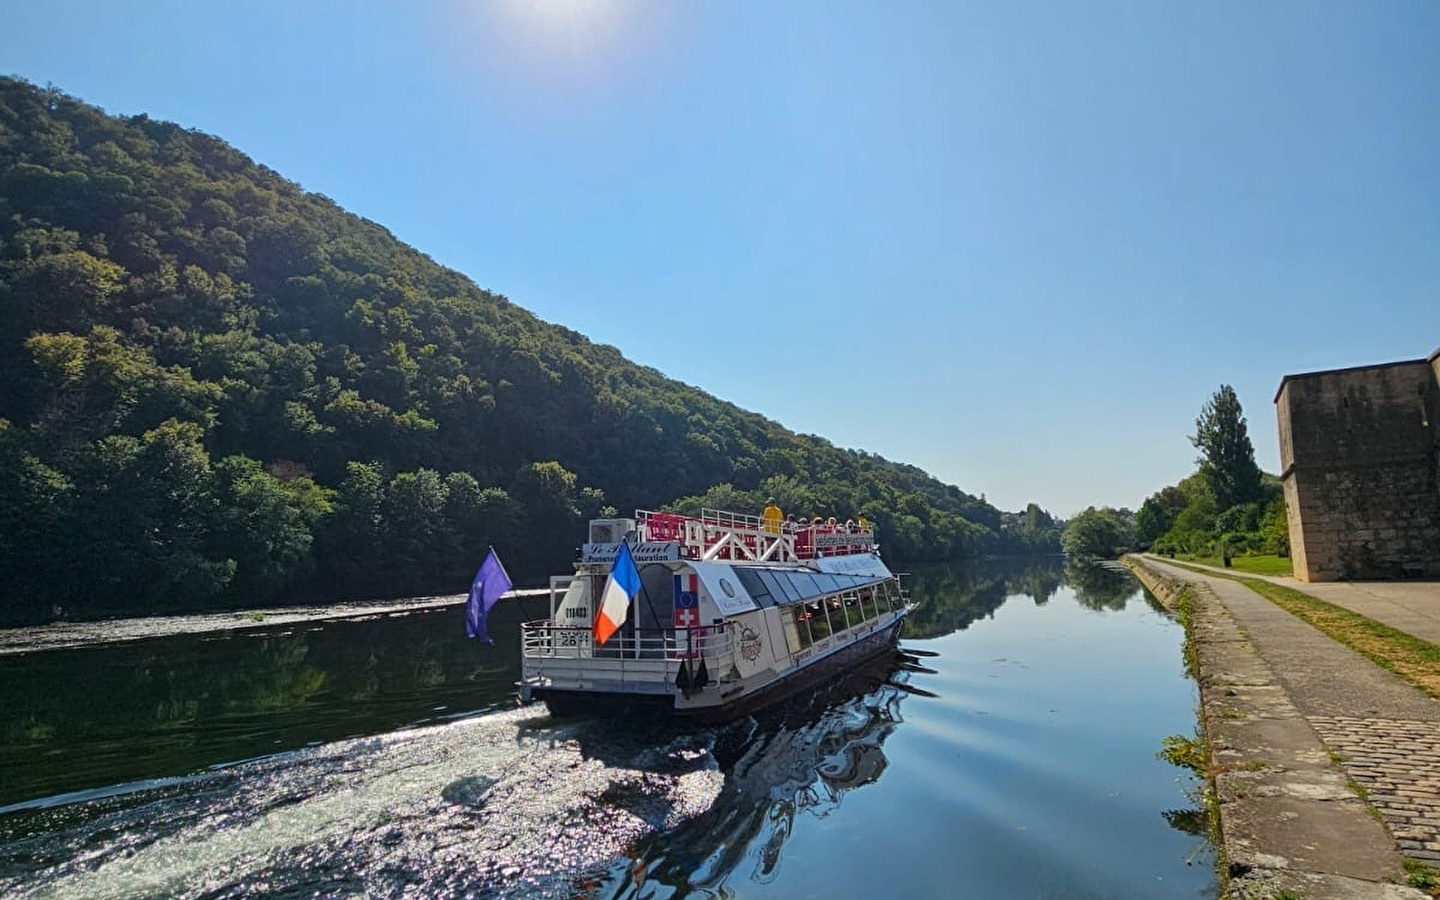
[1289,823]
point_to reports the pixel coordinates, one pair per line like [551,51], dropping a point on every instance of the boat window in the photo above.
[819,621]
[777,583]
[756,586]
[860,581]
[885,597]
[805,584]
[793,590]
[802,624]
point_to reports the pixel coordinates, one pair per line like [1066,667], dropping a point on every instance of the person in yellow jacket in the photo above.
[772,517]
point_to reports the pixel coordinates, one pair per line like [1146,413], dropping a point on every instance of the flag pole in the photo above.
[503,571]
[648,605]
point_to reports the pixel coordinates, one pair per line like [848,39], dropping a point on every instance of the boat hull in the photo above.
[563,703]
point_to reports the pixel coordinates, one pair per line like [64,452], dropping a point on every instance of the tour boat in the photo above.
[722,614]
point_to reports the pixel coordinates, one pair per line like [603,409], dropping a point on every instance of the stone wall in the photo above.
[1360,470]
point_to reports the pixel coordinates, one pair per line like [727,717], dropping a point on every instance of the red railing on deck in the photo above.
[715,527]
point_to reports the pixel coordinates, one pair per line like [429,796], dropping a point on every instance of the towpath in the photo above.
[1327,767]
[1411,606]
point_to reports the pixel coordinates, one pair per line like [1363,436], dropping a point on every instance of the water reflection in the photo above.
[1010,764]
[799,760]
[1101,586]
[169,706]
[950,596]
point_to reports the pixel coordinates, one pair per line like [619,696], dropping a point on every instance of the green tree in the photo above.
[1158,513]
[1227,458]
[145,511]
[1097,534]
[1039,530]
[414,514]
[266,525]
[545,493]
[41,498]
[350,540]
[1275,526]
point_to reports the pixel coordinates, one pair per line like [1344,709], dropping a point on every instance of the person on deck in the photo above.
[772,516]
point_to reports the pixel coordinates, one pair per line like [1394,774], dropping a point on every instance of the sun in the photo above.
[568,34]
[537,53]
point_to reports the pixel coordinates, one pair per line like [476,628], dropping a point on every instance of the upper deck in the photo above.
[718,535]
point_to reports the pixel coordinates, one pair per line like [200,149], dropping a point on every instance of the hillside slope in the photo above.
[216,388]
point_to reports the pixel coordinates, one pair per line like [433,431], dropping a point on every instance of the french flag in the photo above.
[620,589]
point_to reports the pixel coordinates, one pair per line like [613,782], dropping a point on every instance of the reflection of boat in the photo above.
[729,613]
[802,757]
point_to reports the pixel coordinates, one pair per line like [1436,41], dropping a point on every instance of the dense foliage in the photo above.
[1228,506]
[218,389]
[1098,534]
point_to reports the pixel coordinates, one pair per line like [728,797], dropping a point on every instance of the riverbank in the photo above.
[63,635]
[1323,767]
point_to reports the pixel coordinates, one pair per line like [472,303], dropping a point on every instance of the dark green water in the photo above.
[386,758]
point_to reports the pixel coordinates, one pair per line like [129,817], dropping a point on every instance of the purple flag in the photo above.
[490,582]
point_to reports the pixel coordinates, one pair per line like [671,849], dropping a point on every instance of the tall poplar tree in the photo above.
[1227,458]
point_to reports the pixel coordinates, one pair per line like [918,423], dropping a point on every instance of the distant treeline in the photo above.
[1227,507]
[218,389]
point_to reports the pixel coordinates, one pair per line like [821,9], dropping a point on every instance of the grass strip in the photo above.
[1415,660]
[1259,564]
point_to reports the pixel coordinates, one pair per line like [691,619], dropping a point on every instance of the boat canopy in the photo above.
[738,589]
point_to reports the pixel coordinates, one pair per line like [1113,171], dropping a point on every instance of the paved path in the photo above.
[1293,719]
[1411,606]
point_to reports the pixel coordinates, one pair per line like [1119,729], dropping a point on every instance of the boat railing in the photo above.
[661,526]
[719,518]
[718,534]
[569,653]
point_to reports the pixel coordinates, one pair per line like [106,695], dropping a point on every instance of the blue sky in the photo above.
[1018,244]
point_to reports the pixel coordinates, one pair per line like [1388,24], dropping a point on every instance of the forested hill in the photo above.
[218,389]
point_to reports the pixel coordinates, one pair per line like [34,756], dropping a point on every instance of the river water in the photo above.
[1011,754]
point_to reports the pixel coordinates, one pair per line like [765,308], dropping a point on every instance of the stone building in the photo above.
[1361,471]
